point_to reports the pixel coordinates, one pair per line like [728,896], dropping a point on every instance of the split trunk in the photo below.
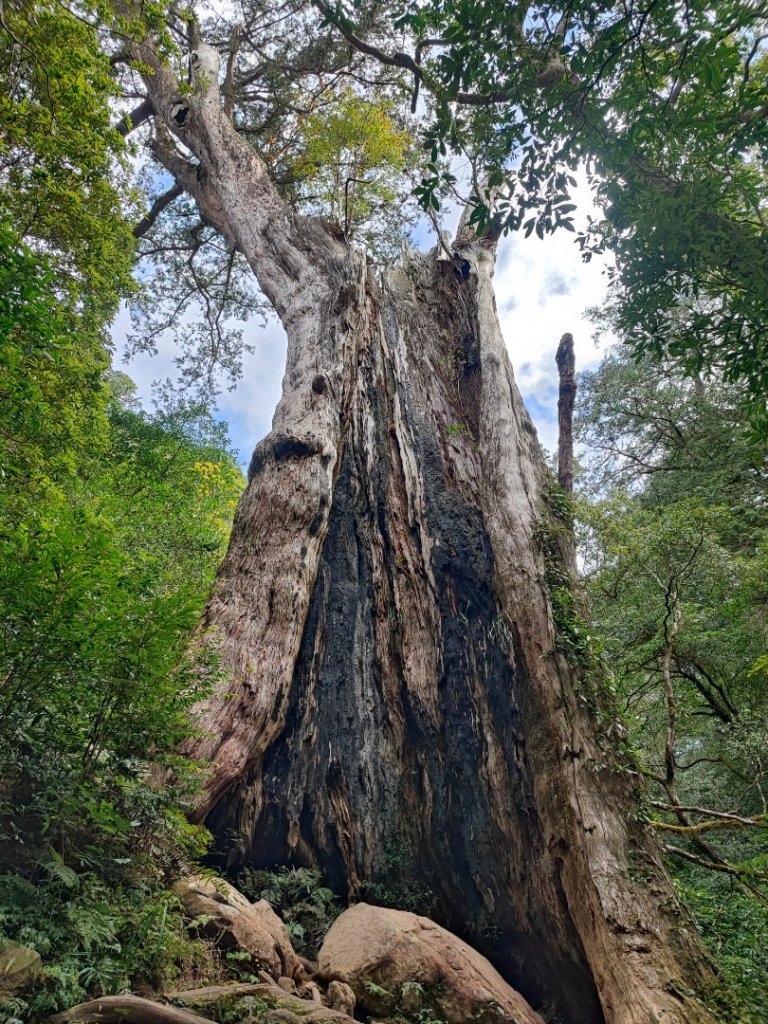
[400,706]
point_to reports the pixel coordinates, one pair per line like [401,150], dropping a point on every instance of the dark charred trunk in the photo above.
[393,671]
[402,749]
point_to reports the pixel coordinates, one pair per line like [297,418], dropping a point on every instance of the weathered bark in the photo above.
[127,1009]
[392,670]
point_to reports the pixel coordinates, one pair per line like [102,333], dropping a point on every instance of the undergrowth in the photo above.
[398,884]
[301,897]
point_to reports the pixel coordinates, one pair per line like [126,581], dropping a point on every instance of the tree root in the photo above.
[127,1009]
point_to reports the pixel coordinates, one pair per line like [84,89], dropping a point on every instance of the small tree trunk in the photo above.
[396,707]
[566,368]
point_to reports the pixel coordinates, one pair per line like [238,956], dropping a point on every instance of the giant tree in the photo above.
[402,667]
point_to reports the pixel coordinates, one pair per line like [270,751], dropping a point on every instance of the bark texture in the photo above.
[396,706]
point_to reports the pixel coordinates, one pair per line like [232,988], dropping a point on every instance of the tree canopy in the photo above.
[666,106]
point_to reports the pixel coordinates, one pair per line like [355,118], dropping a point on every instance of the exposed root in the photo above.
[127,1010]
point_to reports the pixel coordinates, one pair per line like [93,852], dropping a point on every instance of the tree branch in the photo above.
[129,122]
[127,1010]
[758,822]
[728,869]
[156,209]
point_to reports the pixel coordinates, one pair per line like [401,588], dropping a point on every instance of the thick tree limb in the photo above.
[291,256]
[130,121]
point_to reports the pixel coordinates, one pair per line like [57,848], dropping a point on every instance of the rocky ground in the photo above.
[375,964]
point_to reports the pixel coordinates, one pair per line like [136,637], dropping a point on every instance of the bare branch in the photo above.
[128,1009]
[566,366]
[156,209]
[758,822]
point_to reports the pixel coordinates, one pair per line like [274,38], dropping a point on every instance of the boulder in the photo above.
[391,958]
[223,911]
[19,968]
[341,997]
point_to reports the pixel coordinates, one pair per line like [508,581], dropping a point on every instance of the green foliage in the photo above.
[96,935]
[233,1008]
[665,105]
[574,639]
[398,884]
[352,159]
[112,524]
[674,544]
[734,926]
[680,511]
[459,430]
[103,579]
[52,416]
[410,1003]
[60,156]
[300,897]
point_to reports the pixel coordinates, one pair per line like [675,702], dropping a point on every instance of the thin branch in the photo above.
[758,822]
[728,869]
[228,86]
[156,209]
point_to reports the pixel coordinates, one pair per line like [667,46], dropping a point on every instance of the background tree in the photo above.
[112,523]
[675,566]
[352,165]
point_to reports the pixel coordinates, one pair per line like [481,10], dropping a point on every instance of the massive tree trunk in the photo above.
[394,675]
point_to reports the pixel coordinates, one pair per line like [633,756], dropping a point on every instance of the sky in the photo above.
[542,290]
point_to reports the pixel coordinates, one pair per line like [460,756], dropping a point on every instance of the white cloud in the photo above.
[542,291]
[248,408]
[543,288]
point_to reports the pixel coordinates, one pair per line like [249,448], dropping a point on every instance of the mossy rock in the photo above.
[20,966]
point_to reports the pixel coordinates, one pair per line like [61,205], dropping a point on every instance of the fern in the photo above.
[301,897]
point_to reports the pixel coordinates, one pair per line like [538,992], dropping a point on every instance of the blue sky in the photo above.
[542,290]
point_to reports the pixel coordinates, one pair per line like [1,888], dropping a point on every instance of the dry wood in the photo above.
[566,368]
[127,1009]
